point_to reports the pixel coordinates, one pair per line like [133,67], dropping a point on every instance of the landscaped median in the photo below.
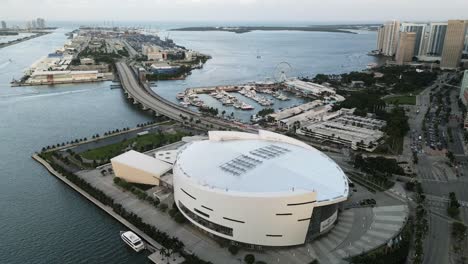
[401,100]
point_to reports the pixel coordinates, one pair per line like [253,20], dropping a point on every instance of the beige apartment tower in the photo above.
[405,50]
[453,44]
[387,38]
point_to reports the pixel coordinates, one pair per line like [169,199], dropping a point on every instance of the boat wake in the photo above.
[39,94]
[4,64]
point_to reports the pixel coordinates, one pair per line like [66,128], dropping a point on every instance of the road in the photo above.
[437,178]
[436,246]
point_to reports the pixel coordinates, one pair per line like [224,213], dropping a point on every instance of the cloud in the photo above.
[234,10]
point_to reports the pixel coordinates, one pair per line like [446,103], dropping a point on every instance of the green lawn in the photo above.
[401,100]
[141,143]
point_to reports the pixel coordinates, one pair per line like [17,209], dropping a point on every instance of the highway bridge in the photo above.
[149,100]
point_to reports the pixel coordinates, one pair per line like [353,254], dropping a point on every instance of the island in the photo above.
[245,29]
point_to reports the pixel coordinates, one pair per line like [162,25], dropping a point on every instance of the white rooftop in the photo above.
[131,236]
[143,162]
[168,156]
[278,165]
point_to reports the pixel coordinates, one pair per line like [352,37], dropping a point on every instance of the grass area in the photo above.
[140,143]
[401,100]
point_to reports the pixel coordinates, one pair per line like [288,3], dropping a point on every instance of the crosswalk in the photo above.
[387,223]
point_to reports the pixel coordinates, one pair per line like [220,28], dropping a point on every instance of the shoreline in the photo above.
[93,200]
[154,248]
[17,41]
[20,84]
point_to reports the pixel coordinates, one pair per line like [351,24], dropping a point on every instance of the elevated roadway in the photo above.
[149,100]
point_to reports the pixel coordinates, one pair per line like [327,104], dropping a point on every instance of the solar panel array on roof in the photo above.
[243,163]
[269,152]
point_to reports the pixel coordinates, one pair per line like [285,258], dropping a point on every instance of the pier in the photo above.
[40,34]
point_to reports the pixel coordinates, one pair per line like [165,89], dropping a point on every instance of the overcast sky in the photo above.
[234,10]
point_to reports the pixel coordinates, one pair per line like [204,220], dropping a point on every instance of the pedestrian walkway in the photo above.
[386,224]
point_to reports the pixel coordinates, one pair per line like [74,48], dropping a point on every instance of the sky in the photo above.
[319,11]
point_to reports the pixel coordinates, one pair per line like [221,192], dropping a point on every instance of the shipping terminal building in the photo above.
[261,189]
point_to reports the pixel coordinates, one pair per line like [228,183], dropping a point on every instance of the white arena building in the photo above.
[261,189]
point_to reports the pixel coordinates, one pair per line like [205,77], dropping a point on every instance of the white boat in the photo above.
[282,97]
[246,107]
[227,102]
[180,95]
[132,240]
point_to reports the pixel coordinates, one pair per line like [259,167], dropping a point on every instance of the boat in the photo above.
[227,102]
[132,240]
[372,65]
[282,97]
[180,95]
[245,106]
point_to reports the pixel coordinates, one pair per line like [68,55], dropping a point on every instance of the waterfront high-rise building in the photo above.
[453,44]
[465,50]
[464,88]
[420,30]
[4,25]
[380,35]
[40,23]
[435,41]
[388,37]
[405,50]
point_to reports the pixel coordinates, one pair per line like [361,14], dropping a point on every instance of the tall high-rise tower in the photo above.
[405,50]
[388,37]
[435,42]
[40,23]
[453,44]
[420,30]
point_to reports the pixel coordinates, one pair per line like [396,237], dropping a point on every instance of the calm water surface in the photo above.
[41,219]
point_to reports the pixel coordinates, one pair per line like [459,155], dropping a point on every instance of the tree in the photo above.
[458,230]
[450,156]
[249,258]
[233,249]
[163,207]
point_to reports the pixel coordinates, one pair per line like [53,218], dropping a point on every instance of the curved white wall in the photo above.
[258,212]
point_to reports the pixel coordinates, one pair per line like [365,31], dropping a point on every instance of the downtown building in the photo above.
[406,47]
[420,34]
[387,39]
[454,44]
[435,40]
[464,89]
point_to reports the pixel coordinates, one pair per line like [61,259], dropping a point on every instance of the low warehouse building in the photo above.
[139,168]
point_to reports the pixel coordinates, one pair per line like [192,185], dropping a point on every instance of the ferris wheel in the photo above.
[282,71]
